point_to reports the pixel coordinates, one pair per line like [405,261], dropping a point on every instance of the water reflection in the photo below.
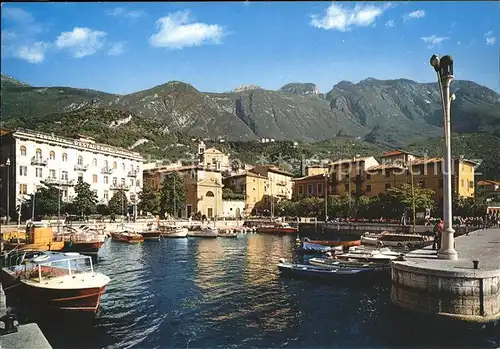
[224,293]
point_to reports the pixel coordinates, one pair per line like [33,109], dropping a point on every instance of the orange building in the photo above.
[310,186]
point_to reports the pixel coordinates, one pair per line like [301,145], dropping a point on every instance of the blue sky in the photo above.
[126,47]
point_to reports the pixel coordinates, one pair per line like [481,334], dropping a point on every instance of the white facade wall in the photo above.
[53,165]
[231,208]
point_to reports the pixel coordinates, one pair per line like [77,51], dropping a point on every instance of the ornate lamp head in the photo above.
[446,66]
[435,62]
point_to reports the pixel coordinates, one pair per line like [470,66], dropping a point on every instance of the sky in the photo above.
[216,47]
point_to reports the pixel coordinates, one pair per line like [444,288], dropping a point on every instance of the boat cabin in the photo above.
[47,265]
[402,240]
[39,233]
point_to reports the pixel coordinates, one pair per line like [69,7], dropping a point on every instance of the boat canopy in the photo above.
[51,257]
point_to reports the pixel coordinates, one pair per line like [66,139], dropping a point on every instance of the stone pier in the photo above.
[455,289]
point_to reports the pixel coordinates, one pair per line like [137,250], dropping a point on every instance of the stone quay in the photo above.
[467,289]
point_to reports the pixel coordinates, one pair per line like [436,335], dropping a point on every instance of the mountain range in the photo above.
[389,113]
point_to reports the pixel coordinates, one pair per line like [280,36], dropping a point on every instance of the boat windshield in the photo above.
[46,266]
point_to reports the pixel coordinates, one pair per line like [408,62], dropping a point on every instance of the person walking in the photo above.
[438,230]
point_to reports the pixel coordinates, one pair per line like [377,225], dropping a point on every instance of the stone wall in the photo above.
[473,297]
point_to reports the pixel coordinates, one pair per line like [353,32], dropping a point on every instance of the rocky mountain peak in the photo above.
[301,88]
[247,88]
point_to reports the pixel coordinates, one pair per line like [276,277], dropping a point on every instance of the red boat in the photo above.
[54,281]
[127,236]
[277,228]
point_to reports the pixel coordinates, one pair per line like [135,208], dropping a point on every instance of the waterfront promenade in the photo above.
[466,289]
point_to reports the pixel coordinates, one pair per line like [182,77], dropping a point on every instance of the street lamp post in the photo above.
[444,69]
[412,199]
[7,164]
[326,196]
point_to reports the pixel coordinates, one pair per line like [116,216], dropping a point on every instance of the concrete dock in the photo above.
[455,289]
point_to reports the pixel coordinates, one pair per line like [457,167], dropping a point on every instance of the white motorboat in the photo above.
[205,232]
[174,232]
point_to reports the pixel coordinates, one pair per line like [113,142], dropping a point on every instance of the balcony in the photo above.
[119,187]
[81,167]
[38,161]
[106,170]
[61,182]
[132,173]
[281,183]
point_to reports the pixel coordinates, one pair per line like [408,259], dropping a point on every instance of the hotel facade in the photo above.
[37,159]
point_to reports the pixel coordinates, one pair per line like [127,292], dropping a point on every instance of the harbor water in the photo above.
[227,293]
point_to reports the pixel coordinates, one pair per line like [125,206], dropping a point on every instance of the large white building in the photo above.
[37,158]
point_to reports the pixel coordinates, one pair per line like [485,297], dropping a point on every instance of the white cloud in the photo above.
[490,39]
[116,49]
[176,31]
[34,53]
[121,12]
[434,40]
[390,24]
[414,15]
[17,15]
[81,42]
[338,17]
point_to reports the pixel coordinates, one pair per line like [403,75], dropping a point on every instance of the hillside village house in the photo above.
[203,188]
[253,186]
[38,158]
[213,158]
[313,170]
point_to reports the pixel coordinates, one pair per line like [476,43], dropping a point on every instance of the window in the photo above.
[132,182]
[301,188]
[39,154]
[115,165]
[320,188]
[52,173]
[80,160]
[80,177]
[115,181]
[38,172]
[471,184]
[23,189]
[122,181]
[64,175]
[65,193]
[94,162]
[368,188]
[462,182]
[23,150]
[23,170]
[123,166]
[65,157]
[388,186]
[52,155]
[309,189]
[210,194]
[94,192]
[387,173]
[106,164]
[106,195]
[138,183]
[94,178]
[440,183]
[105,179]
[137,168]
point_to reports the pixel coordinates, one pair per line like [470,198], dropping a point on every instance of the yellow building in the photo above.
[253,186]
[203,188]
[280,182]
[427,173]
[212,158]
[313,170]
[347,175]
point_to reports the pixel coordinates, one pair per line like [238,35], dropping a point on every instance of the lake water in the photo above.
[225,293]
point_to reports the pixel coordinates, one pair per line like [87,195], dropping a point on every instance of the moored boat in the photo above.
[315,272]
[205,232]
[127,236]
[335,264]
[174,232]
[383,255]
[151,234]
[277,228]
[86,242]
[308,247]
[54,280]
[227,233]
[345,244]
[39,236]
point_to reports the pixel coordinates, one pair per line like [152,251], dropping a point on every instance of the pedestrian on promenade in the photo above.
[438,229]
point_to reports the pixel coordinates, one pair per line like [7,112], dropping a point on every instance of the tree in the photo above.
[397,200]
[46,202]
[149,199]
[173,194]
[118,203]
[85,200]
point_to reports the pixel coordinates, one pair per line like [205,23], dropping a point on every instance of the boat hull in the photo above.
[53,246]
[337,243]
[91,248]
[319,273]
[264,230]
[175,235]
[77,300]
[151,235]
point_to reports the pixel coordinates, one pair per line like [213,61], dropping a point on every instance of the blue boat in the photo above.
[336,264]
[315,272]
[308,247]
